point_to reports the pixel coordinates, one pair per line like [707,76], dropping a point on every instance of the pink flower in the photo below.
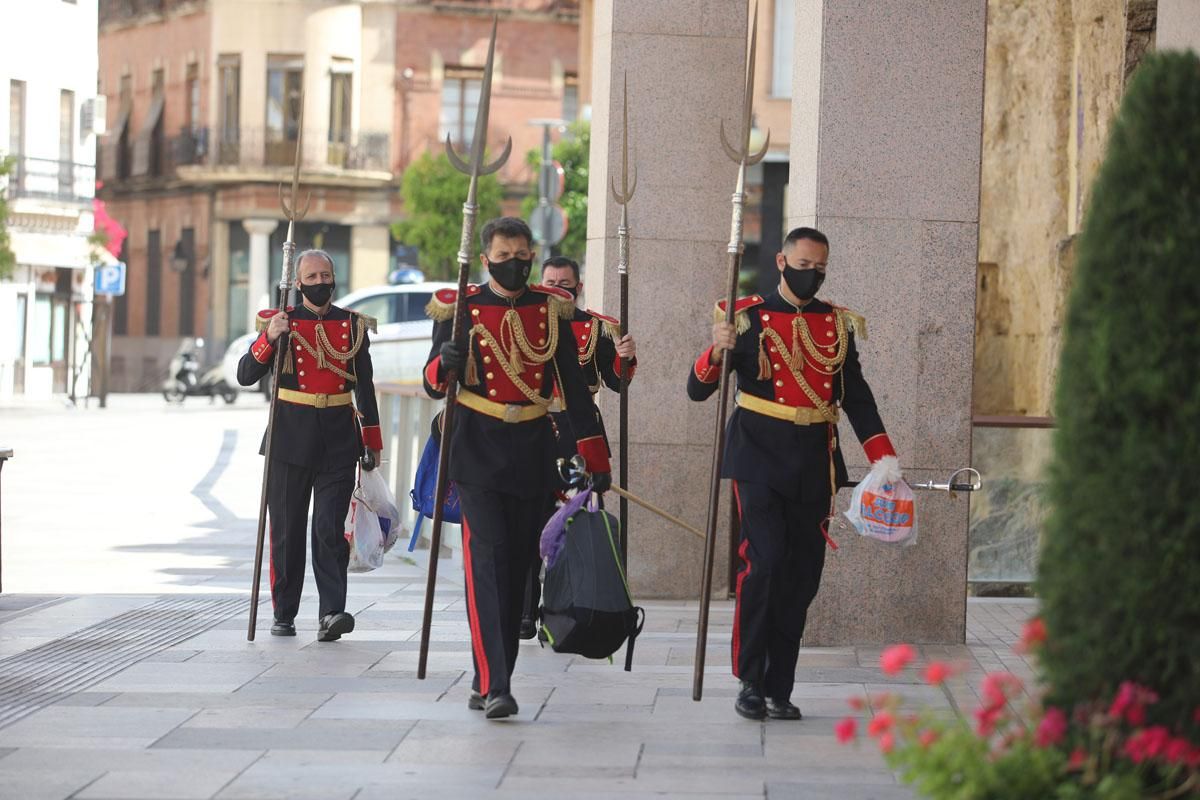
[882,723]
[998,687]
[887,743]
[856,703]
[896,658]
[1130,703]
[928,738]
[1147,744]
[1033,636]
[1078,759]
[1052,728]
[937,672]
[846,730]
[986,718]
[1177,751]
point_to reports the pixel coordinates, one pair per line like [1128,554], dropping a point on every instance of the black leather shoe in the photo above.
[500,706]
[334,626]
[475,702]
[750,703]
[528,628]
[782,709]
[281,628]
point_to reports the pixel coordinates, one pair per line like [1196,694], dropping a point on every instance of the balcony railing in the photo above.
[248,147]
[122,10]
[46,179]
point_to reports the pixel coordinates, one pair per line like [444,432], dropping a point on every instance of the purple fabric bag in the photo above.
[551,543]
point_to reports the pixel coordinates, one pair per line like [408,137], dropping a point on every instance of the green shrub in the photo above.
[1120,572]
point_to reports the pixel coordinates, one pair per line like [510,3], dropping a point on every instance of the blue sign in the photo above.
[110,279]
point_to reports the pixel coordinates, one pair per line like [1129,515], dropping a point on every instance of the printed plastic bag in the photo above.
[372,522]
[883,507]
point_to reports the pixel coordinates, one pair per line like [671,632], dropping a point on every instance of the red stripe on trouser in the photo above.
[473,613]
[737,608]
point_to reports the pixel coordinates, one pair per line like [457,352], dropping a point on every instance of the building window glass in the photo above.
[192,89]
[461,87]
[229,68]
[285,75]
[124,140]
[153,283]
[185,250]
[782,44]
[570,110]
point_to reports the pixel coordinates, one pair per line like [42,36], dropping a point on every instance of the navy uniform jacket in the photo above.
[307,435]
[595,337]
[794,460]
[516,458]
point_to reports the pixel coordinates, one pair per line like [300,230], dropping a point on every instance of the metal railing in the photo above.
[405,416]
[1006,517]
[259,147]
[46,179]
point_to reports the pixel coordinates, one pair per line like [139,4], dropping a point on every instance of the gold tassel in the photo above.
[764,363]
[514,358]
[471,378]
[288,367]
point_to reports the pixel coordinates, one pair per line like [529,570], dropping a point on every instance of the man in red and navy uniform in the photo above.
[797,369]
[318,439]
[519,348]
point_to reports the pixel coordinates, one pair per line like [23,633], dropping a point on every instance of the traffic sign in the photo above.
[549,224]
[110,279]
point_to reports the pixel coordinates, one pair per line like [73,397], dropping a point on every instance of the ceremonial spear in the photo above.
[293,214]
[474,167]
[623,196]
[744,158]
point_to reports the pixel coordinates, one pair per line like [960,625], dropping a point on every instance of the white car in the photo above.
[398,349]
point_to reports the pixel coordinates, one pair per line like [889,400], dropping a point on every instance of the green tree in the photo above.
[8,259]
[433,192]
[571,151]
[1120,570]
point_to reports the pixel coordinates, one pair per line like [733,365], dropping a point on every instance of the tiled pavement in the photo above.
[216,716]
[210,715]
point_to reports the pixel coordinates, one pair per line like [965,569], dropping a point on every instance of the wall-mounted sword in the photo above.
[293,213]
[743,157]
[473,166]
[623,196]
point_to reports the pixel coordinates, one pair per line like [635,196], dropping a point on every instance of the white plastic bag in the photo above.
[883,507]
[372,522]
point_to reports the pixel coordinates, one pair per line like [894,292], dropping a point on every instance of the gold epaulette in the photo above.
[440,307]
[855,323]
[263,318]
[609,326]
[741,316]
[369,322]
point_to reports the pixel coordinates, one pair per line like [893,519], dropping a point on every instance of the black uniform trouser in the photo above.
[499,534]
[288,492]
[782,551]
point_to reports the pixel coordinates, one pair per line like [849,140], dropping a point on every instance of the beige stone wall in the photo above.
[1054,77]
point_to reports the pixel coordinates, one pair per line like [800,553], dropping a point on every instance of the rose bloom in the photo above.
[894,659]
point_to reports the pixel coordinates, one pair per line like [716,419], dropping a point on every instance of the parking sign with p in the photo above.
[110,279]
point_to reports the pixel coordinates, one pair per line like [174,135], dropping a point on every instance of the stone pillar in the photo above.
[886,130]
[259,289]
[684,61]
[1178,25]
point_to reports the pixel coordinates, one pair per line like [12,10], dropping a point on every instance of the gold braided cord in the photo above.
[811,351]
[517,337]
[796,367]
[324,350]
[590,352]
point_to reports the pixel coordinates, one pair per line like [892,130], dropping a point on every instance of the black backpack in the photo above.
[586,605]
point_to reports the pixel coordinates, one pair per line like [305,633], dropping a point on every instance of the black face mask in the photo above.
[512,274]
[803,283]
[317,293]
[574,290]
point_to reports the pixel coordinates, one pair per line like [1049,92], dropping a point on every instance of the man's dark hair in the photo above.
[812,234]
[510,227]
[562,261]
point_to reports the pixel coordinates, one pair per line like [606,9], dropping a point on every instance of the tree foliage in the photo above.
[572,152]
[433,192]
[8,259]
[1119,576]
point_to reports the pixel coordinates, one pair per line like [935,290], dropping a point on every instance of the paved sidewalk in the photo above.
[125,670]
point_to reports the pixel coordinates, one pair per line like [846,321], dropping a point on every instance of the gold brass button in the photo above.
[475,312]
[542,325]
[487,359]
[542,340]
[341,386]
[782,400]
[492,392]
[829,333]
[537,376]
[766,317]
[828,385]
[301,373]
[779,383]
[298,359]
[541,309]
[298,348]
[777,367]
[302,386]
[829,319]
[345,324]
[490,376]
